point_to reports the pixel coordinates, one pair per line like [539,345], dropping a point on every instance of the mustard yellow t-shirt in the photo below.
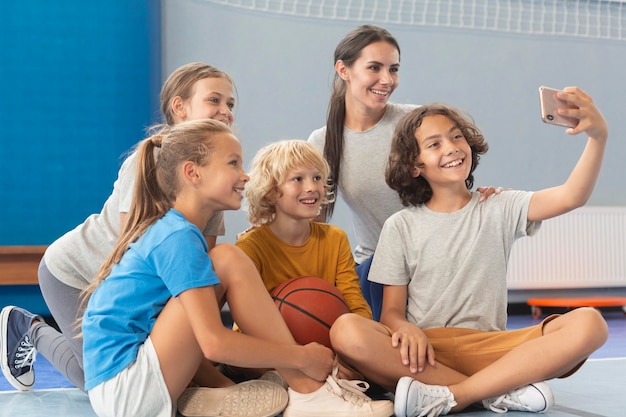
[326,254]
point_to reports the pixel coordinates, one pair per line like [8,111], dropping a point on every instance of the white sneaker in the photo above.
[253,398]
[337,398]
[536,398]
[415,399]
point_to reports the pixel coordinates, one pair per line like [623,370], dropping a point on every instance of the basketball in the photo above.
[309,306]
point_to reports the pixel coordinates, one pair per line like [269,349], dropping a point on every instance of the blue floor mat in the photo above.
[48,377]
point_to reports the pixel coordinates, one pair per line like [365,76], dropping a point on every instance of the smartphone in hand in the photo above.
[549,103]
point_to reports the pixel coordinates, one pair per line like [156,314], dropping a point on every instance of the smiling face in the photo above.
[445,156]
[211,98]
[300,195]
[224,174]
[373,77]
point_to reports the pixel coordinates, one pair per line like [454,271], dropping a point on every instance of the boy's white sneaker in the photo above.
[413,399]
[337,398]
[536,398]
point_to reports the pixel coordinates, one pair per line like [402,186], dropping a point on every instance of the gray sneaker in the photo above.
[536,398]
[273,376]
[413,399]
[17,350]
[253,398]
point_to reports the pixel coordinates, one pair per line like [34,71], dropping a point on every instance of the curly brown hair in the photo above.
[405,150]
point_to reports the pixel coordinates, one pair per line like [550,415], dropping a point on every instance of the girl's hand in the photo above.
[415,349]
[487,191]
[319,361]
[582,107]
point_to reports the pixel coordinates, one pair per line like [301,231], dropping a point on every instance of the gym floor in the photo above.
[596,390]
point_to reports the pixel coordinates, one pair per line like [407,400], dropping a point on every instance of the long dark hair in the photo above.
[348,51]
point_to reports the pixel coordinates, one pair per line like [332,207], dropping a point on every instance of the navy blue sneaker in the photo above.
[18,352]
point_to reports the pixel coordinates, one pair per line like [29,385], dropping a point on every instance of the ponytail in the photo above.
[333,144]
[157,182]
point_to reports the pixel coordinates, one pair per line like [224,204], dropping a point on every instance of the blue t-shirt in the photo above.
[169,258]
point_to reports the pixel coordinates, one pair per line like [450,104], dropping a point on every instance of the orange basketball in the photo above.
[309,306]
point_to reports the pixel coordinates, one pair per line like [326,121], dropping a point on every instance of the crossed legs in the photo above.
[565,342]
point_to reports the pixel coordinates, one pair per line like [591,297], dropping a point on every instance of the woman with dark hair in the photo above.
[357,138]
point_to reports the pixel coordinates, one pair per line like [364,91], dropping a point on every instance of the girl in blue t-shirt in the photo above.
[153,314]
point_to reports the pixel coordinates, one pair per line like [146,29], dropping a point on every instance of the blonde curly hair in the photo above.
[269,170]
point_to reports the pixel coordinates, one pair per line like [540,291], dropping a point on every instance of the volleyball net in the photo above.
[593,19]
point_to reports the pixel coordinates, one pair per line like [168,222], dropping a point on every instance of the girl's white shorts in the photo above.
[139,390]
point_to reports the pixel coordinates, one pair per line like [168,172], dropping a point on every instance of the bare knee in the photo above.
[596,327]
[223,254]
[349,333]
[340,329]
[587,328]
[231,263]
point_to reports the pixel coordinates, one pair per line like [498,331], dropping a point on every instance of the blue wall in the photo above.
[79,82]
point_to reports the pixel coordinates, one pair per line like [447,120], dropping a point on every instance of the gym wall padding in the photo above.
[79,83]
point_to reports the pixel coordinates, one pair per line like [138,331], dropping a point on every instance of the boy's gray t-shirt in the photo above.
[362,178]
[76,256]
[454,264]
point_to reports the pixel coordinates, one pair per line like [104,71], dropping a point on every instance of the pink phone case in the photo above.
[549,104]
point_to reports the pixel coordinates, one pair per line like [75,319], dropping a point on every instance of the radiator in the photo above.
[585,248]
